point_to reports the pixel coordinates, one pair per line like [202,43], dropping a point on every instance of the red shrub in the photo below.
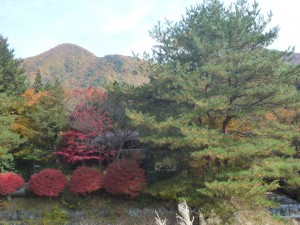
[124,177]
[10,182]
[48,182]
[85,180]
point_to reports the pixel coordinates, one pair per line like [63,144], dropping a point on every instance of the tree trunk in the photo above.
[119,150]
[200,122]
[225,123]
[100,160]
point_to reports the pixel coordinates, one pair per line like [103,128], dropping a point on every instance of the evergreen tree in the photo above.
[9,140]
[212,82]
[38,83]
[12,81]
[41,122]
[49,117]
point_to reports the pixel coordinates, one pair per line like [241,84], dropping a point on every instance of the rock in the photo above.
[24,215]
[105,212]
[288,211]
[75,214]
[12,215]
[134,212]
[21,191]
[163,211]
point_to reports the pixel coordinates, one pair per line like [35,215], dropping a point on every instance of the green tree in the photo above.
[42,120]
[12,80]
[38,83]
[212,81]
[115,105]
[50,116]
[12,83]
[9,140]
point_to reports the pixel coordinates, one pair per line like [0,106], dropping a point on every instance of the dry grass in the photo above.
[261,217]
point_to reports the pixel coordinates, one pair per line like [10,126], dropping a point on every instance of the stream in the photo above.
[288,208]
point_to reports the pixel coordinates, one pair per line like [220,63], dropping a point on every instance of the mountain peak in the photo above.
[77,67]
[68,48]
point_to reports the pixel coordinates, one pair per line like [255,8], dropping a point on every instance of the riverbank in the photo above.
[82,211]
[108,210]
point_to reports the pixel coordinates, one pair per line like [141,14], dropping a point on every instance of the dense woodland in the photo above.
[218,118]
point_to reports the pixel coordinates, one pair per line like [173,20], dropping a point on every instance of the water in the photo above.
[289,208]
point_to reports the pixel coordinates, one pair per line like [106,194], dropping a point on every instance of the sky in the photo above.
[114,26]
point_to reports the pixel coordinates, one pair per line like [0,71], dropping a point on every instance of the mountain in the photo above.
[295,58]
[76,67]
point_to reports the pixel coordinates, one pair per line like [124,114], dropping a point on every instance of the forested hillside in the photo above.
[76,67]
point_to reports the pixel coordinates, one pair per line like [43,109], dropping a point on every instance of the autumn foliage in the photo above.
[48,182]
[77,147]
[10,182]
[24,125]
[31,98]
[89,119]
[89,96]
[85,180]
[124,177]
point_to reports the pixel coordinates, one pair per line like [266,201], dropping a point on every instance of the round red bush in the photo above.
[85,180]
[124,177]
[48,182]
[10,182]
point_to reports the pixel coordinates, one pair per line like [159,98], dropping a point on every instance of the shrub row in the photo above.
[122,177]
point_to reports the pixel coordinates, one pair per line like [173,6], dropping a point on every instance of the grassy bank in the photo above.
[107,210]
[82,210]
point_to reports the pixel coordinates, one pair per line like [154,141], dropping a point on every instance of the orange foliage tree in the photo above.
[42,119]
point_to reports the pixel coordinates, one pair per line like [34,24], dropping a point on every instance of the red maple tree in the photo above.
[124,177]
[9,183]
[48,182]
[79,145]
[85,180]
[90,120]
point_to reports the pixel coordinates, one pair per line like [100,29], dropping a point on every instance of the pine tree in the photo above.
[212,82]
[12,84]
[50,116]
[38,83]
[12,80]
[9,139]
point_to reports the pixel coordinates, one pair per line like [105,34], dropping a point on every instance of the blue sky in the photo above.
[113,26]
